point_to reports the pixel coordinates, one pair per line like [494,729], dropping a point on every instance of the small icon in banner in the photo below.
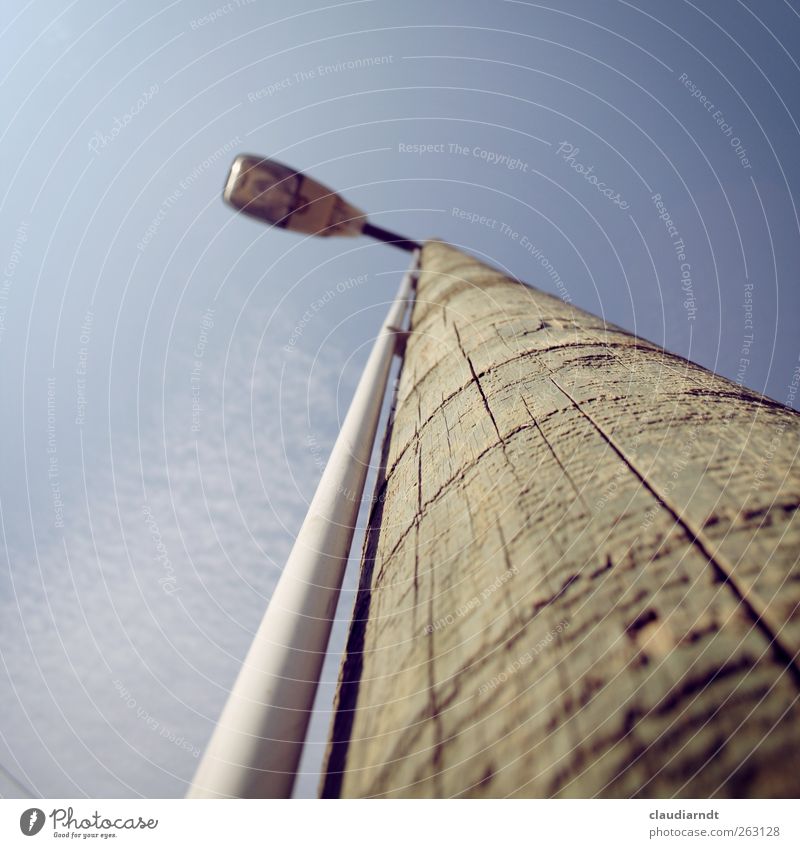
[31,821]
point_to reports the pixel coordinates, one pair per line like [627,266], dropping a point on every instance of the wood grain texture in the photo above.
[580,576]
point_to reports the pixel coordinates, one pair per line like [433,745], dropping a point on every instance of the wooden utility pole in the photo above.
[580,576]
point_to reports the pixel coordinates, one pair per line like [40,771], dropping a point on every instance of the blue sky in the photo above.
[160,442]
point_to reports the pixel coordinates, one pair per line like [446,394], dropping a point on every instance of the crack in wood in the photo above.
[755,606]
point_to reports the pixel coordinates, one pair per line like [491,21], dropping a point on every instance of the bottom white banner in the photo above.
[401,823]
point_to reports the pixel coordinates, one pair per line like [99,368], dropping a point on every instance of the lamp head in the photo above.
[283,197]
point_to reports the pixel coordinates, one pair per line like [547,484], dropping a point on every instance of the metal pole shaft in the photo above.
[256,746]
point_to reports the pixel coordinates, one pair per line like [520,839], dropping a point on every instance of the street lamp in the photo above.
[283,197]
[256,746]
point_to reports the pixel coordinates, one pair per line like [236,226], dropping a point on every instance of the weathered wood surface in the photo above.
[581,572]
